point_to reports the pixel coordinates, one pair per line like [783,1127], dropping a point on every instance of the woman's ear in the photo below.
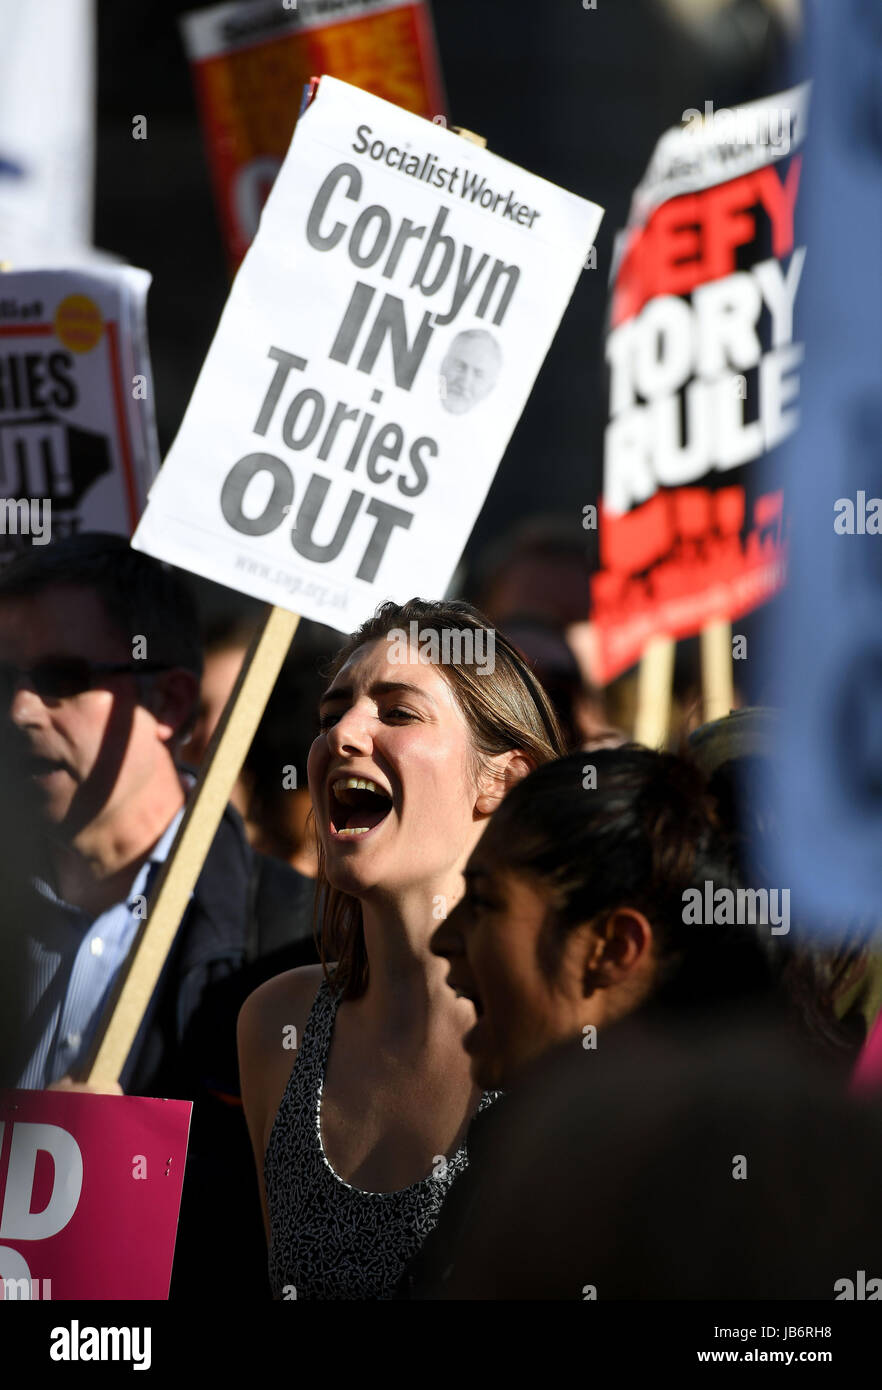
[619,950]
[498,778]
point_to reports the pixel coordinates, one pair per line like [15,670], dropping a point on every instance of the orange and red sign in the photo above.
[251,62]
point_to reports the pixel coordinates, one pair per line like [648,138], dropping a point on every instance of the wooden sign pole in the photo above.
[716,670]
[655,680]
[225,755]
[177,878]
[480,140]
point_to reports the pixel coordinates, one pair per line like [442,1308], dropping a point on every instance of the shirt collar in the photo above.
[159,852]
[146,872]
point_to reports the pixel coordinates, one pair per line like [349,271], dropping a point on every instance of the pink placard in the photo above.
[90,1189]
[867,1075]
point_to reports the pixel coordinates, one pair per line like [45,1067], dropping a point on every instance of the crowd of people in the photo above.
[443,1014]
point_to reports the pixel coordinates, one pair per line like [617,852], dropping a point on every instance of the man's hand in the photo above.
[107,1088]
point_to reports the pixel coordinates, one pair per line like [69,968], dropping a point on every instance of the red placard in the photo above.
[704,382]
[251,62]
[90,1190]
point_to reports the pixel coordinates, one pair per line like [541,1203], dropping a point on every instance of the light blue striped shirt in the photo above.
[73,963]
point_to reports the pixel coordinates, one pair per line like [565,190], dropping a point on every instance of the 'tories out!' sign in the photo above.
[78,443]
[704,363]
[377,349]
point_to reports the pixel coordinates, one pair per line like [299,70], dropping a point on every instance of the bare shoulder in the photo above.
[268,1047]
[278,1003]
[267,1052]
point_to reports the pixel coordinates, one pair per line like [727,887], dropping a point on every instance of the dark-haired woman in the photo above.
[580,909]
[429,718]
[587,898]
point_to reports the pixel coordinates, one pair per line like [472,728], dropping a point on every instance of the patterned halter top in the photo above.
[329,1240]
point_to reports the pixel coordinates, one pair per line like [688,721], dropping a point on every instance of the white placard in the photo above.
[78,447]
[377,348]
[47,132]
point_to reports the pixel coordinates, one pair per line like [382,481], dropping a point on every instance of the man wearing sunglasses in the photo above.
[100,663]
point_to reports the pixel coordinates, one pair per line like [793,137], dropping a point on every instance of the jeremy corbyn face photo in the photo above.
[469,370]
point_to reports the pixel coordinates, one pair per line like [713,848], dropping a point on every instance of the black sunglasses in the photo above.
[61,677]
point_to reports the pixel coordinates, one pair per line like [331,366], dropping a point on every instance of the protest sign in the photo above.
[704,363]
[251,60]
[306,350]
[90,1189]
[77,435]
[378,346]
[47,132]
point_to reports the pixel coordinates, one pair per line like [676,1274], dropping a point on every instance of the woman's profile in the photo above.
[358,1133]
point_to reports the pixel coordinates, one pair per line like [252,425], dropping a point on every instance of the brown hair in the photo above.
[506,708]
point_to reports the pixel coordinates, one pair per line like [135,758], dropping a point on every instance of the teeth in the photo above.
[355,830]
[358,784]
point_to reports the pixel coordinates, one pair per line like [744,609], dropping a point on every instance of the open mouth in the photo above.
[472,1040]
[358,805]
[39,768]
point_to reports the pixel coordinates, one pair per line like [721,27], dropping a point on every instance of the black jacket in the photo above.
[250,918]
